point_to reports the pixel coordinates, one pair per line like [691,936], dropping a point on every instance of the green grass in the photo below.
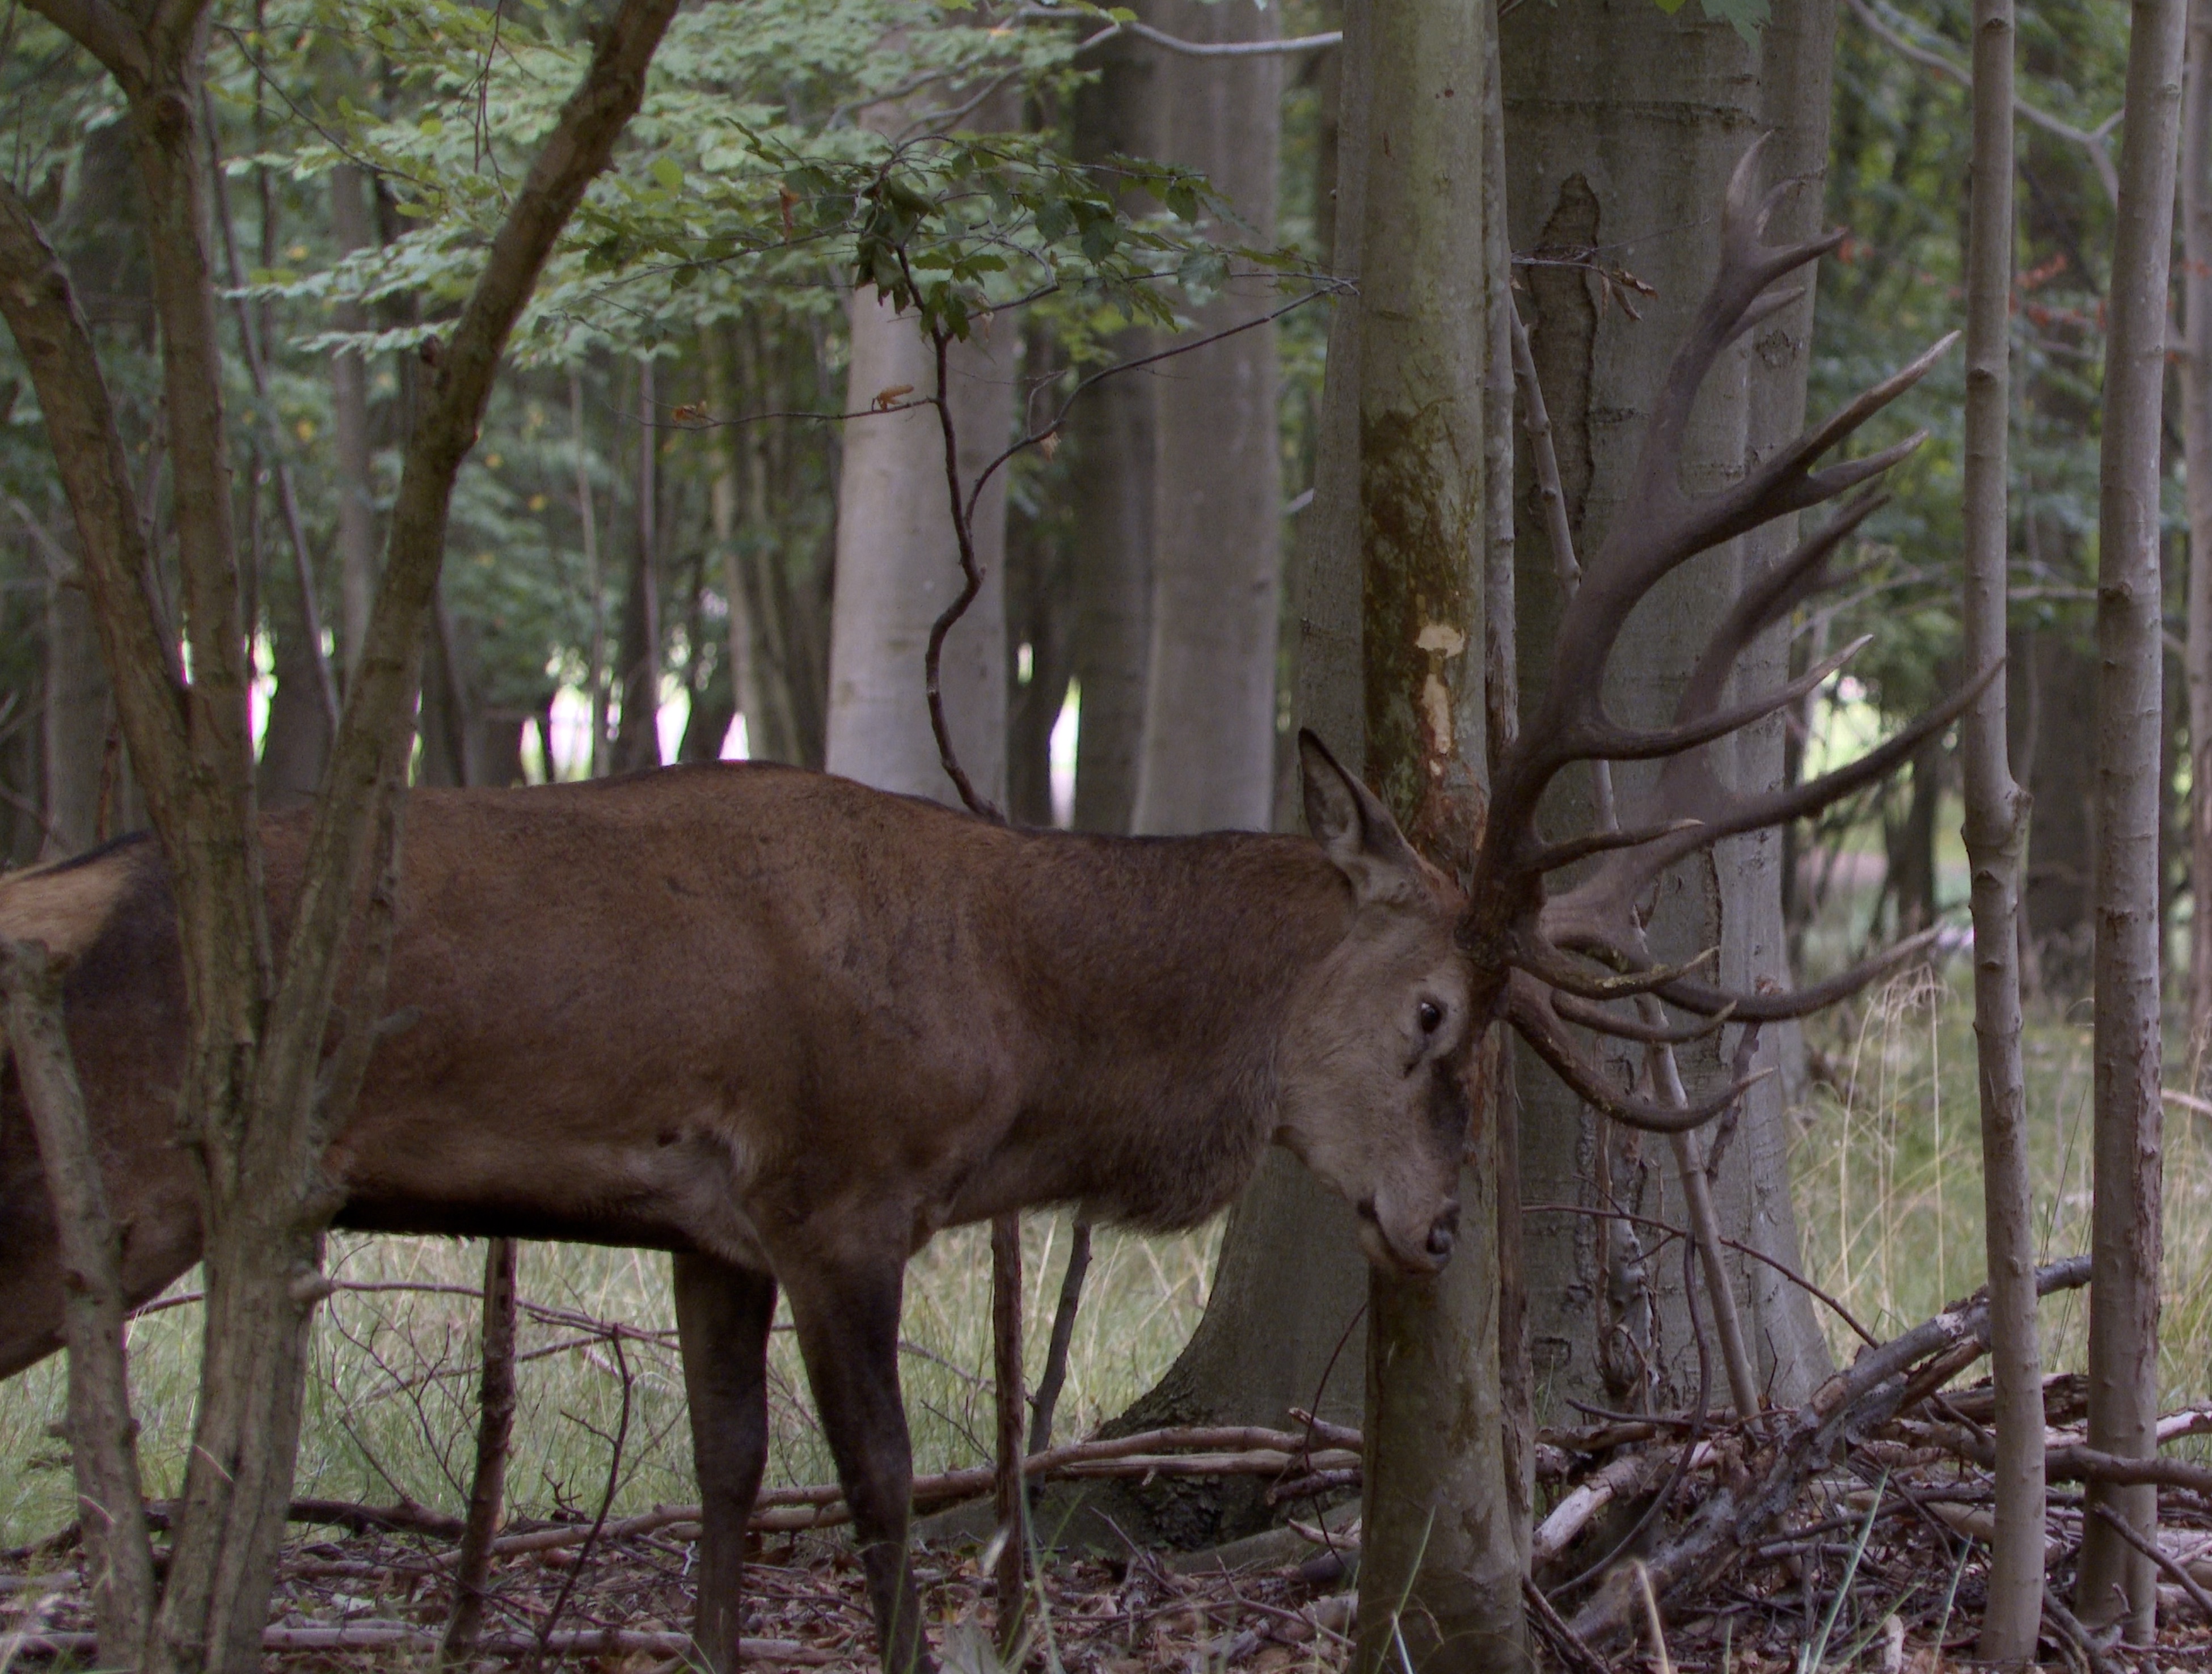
[1888,1192]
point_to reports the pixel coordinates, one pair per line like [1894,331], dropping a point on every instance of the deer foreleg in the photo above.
[723,1314]
[847,1324]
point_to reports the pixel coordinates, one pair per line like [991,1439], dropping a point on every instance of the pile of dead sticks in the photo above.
[1697,1498]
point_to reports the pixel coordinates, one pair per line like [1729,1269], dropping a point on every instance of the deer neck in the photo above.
[1155,981]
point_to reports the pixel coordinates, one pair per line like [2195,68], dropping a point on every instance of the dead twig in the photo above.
[2157,1555]
[606,1503]
[1053,1379]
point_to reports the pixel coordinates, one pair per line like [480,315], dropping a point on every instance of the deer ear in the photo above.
[1353,828]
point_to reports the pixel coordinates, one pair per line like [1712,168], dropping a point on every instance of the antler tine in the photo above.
[1697,718]
[1732,305]
[1624,744]
[1527,1008]
[1775,591]
[1546,962]
[1649,539]
[1595,911]
[1720,1005]
[1552,856]
[1574,1009]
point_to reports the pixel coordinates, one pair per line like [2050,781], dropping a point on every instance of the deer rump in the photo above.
[788,1028]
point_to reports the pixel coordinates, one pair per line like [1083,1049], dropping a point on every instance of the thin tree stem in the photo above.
[2115,1581]
[1053,1378]
[1995,826]
[494,1435]
[110,1506]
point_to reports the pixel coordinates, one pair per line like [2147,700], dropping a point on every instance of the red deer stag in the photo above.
[788,1028]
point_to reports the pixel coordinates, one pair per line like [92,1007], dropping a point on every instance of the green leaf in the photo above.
[670,172]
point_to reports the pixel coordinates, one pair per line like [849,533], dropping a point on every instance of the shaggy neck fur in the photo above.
[1156,978]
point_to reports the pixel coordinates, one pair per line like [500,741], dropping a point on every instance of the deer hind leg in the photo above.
[847,1324]
[723,1314]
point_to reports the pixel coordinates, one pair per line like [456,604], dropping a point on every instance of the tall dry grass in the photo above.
[1887,1174]
[392,1388]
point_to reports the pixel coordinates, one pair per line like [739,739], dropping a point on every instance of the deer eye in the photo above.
[1432,1016]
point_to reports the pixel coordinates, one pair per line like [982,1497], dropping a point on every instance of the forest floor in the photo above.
[1905,1606]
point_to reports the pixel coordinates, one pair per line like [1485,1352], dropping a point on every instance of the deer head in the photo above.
[1374,1083]
[1545,960]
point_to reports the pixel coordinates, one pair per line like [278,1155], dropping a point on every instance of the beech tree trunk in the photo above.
[1286,1320]
[2062,840]
[1208,758]
[898,564]
[1622,126]
[2116,1580]
[775,628]
[356,479]
[2196,437]
[1442,1513]
[1110,431]
[296,740]
[1995,833]
[637,663]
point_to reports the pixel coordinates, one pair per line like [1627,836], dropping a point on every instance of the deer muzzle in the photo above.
[1408,1245]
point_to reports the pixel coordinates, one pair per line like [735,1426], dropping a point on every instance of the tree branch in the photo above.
[95,467]
[368,757]
[102,30]
[111,1504]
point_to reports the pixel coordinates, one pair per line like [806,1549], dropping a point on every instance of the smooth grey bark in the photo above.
[898,564]
[1285,1320]
[1441,1565]
[1111,432]
[2196,441]
[637,660]
[73,731]
[776,632]
[1112,560]
[1206,760]
[1995,831]
[1622,126]
[2116,1580]
[351,230]
[595,582]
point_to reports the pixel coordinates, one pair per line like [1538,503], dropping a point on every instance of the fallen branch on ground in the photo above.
[1842,1412]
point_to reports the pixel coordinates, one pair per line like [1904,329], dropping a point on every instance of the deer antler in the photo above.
[1560,961]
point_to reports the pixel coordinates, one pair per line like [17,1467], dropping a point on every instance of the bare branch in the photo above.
[51,334]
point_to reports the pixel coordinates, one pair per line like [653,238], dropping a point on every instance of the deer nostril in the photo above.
[1444,1229]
